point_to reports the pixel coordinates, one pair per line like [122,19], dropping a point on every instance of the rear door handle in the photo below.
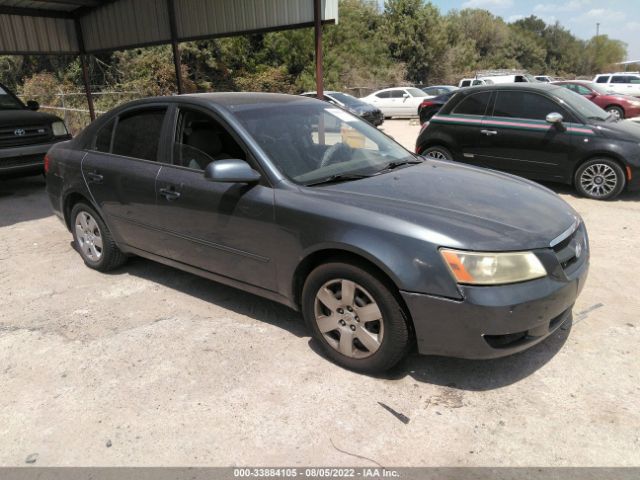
[95,177]
[169,193]
[488,133]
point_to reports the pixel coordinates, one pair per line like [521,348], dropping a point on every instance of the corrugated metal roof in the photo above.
[30,26]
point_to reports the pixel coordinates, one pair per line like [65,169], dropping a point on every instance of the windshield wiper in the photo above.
[338,177]
[398,163]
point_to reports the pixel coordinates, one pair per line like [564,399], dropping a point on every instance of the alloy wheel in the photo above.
[89,236]
[437,154]
[349,318]
[599,180]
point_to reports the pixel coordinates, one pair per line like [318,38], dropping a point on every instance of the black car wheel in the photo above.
[600,179]
[93,239]
[356,318]
[617,112]
[438,152]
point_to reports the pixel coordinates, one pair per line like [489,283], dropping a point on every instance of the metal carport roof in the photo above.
[83,27]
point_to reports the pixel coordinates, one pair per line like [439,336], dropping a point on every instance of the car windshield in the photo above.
[311,142]
[580,104]
[8,101]
[416,92]
[346,99]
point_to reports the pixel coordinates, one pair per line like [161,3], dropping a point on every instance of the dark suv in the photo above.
[540,132]
[25,135]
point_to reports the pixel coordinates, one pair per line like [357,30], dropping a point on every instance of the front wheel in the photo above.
[600,179]
[356,317]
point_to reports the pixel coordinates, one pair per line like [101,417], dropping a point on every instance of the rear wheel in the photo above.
[600,179]
[438,152]
[93,239]
[616,112]
[355,317]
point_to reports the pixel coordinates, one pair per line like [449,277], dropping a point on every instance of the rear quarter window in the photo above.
[603,79]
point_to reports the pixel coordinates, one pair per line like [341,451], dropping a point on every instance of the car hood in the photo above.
[20,118]
[621,129]
[455,205]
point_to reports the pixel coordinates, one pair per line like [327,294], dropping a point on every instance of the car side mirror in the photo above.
[405,95]
[231,171]
[554,118]
[33,105]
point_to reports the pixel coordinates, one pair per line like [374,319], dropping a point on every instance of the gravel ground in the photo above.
[151,366]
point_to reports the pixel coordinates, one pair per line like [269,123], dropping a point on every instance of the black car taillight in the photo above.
[47,164]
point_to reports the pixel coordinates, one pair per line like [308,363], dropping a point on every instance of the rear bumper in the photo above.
[24,158]
[491,322]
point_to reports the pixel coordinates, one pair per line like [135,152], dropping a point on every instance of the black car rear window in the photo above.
[475,104]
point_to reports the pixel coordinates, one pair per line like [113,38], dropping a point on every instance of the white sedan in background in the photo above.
[398,101]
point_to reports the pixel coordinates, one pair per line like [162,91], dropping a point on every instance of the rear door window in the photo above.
[386,94]
[475,104]
[397,93]
[515,104]
[138,134]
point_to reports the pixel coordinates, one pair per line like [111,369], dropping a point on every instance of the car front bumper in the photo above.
[25,157]
[495,321]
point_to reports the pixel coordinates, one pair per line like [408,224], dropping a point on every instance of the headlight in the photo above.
[59,129]
[477,268]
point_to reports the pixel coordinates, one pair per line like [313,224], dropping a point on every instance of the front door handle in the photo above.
[169,194]
[95,177]
[488,133]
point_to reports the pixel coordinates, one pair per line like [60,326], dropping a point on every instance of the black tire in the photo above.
[395,341]
[110,255]
[610,173]
[617,111]
[438,152]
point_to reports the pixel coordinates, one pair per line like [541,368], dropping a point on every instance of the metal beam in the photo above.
[174,44]
[76,3]
[85,69]
[317,18]
[34,12]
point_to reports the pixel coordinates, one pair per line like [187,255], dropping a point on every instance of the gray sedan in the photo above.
[303,203]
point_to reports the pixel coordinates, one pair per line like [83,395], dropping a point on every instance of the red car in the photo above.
[620,106]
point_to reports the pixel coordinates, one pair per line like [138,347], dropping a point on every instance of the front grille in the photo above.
[570,250]
[24,135]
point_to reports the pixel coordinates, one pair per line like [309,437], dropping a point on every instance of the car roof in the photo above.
[326,92]
[512,86]
[224,99]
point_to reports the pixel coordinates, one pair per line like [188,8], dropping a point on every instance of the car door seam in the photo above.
[84,178]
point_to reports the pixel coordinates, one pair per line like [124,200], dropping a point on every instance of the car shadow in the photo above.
[482,375]
[23,199]
[233,299]
[564,189]
[460,374]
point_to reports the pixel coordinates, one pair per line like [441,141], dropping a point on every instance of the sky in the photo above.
[619,19]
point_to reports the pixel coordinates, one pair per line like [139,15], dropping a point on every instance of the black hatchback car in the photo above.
[304,203]
[540,132]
